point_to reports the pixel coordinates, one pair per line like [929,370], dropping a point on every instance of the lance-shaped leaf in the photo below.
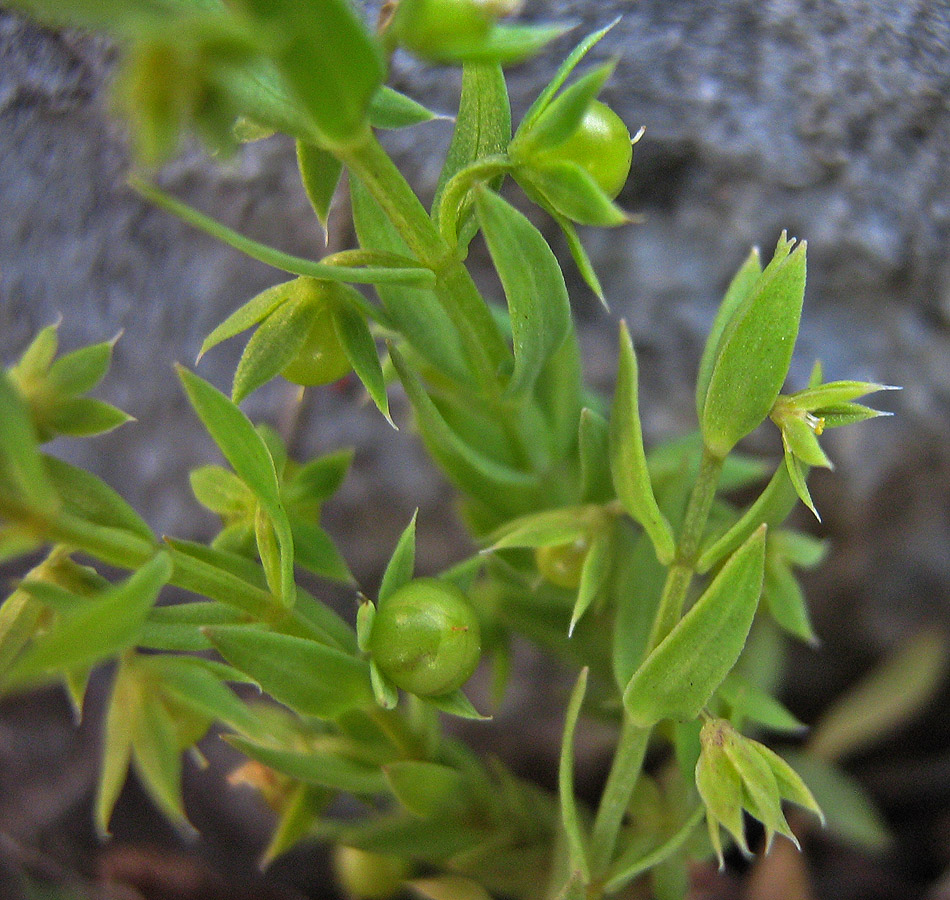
[402,563]
[750,702]
[327,57]
[573,193]
[273,346]
[360,349]
[391,110]
[752,357]
[245,450]
[739,289]
[677,679]
[80,371]
[450,887]
[561,75]
[770,508]
[315,551]
[785,600]
[482,128]
[320,173]
[628,460]
[310,678]
[98,629]
[357,273]
[255,310]
[549,528]
[317,767]
[598,564]
[570,817]
[156,755]
[455,704]
[416,314]
[19,455]
[470,469]
[720,788]
[424,788]
[91,499]
[116,747]
[83,417]
[537,296]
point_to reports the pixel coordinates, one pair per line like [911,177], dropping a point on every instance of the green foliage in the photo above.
[631,566]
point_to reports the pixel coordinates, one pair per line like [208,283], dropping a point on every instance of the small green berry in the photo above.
[426,638]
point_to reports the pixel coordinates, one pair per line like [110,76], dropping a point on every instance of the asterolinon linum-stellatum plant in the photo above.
[633,568]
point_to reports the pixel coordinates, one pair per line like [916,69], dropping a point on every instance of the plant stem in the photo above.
[484,345]
[683,567]
[632,745]
[624,773]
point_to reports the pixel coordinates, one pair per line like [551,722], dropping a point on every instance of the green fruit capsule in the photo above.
[600,145]
[562,564]
[441,29]
[426,638]
[369,876]
[321,359]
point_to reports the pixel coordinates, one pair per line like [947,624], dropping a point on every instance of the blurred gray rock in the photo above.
[830,120]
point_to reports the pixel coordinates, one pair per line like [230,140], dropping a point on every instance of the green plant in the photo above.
[635,569]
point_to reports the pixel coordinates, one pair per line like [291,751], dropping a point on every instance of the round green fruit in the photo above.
[562,564]
[600,145]
[440,29]
[321,359]
[369,876]
[426,638]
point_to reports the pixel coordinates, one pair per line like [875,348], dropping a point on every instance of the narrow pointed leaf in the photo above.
[310,678]
[790,784]
[91,499]
[315,767]
[625,870]
[80,371]
[402,564]
[574,194]
[594,574]
[255,310]
[720,788]
[750,702]
[628,461]
[739,289]
[116,748]
[315,551]
[581,259]
[570,817]
[471,470]
[424,788]
[548,528]
[272,346]
[97,630]
[564,113]
[390,110]
[84,417]
[450,887]
[320,478]
[38,356]
[247,453]
[786,602]
[797,474]
[455,704]
[710,636]
[296,265]
[482,126]
[803,442]
[360,349]
[530,274]
[157,757]
[18,448]
[753,355]
[320,173]
[221,491]
[561,75]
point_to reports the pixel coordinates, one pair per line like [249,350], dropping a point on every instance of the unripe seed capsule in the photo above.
[426,638]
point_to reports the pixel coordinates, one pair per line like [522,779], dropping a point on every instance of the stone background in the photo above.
[830,118]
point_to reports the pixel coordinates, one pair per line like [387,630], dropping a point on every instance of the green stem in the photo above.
[624,773]
[632,746]
[483,342]
[683,567]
